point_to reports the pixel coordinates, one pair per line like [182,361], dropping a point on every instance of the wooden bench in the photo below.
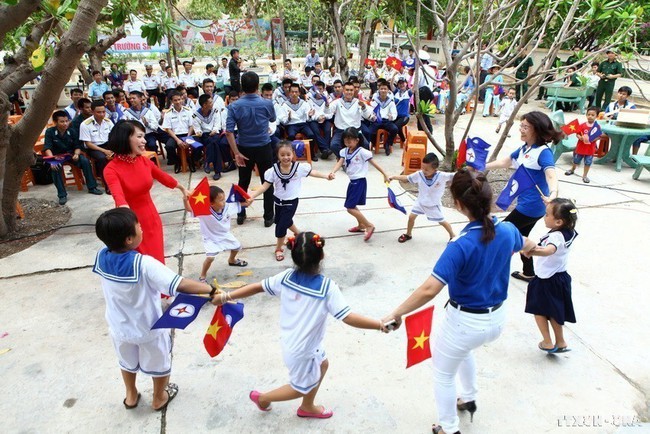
[643,162]
[577,95]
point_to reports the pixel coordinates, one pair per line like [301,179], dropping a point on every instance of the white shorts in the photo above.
[152,358]
[304,372]
[213,247]
[433,213]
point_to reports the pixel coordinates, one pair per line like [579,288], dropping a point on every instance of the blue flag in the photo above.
[181,312]
[595,132]
[393,202]
[377,111]
[299,148]
[476,153]
[195,144]
[233,312]
[237,195]
[519,182]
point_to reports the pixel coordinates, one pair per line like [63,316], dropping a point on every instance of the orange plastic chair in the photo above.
[307,142]
[413,157]
[152,155]
[380,140]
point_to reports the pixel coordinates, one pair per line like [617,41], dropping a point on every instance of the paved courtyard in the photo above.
[61,374]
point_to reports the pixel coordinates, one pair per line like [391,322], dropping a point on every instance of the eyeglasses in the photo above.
[524,127]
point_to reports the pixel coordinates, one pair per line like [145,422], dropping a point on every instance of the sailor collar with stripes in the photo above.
[205,119]
[219,215]
[348,104]
[313,286]
[295,107]
[285,178]
[430,182]
[137,114]
[349,156]
[382,104]
[118,267]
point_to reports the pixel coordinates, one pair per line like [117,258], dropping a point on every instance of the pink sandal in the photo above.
[369,233]
[325,414]
[355,229]
[255,397]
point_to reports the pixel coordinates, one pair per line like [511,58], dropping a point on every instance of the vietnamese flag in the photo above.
[200,198]
[571,127]
[393,62]
[462,154]
[224,319]
[418,332]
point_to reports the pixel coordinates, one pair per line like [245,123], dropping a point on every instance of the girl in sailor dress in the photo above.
[215,230]
[549,293]
[306,299]
[286,178]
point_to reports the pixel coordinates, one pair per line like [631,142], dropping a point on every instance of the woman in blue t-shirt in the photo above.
[536,131]
[475,267]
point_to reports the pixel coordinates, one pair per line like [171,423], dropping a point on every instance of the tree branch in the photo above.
[14,16]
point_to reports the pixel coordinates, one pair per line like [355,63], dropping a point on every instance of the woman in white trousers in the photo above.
[476,268]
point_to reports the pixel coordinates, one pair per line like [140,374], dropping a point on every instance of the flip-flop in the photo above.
[369,233]
[517,275]
[172,391]
[548,350]
[279,255]
[238,263]
[255,397]
[404,238]
[562,350]
[355,229]
[131,407]
[325,414]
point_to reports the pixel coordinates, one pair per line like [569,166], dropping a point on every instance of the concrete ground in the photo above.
[61,375]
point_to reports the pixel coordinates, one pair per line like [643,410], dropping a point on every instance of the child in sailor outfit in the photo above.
[286,178]
[215,230]
[132,284]
[306,299]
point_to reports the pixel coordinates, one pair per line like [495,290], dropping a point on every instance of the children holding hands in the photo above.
[215,230]
[286,178]
[306,299]
[356,159]
[431,186]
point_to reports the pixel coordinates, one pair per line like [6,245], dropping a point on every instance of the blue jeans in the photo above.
[323,141]
[85,167]
[337,142]
[301,128]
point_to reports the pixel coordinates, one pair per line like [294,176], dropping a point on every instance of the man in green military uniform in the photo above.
[523,63]
[608,71]
[60,141]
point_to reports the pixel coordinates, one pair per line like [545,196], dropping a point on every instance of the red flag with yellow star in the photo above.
[418,332]
[394,62]
[571,127]
[200,198]
[224,319]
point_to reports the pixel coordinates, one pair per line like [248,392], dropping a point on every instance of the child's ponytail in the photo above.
[306,251]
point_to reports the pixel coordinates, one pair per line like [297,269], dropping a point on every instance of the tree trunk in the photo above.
[367,35]
[85,75]
[283,35]
[340,42]
[309,32]
[18,147]
[252,10]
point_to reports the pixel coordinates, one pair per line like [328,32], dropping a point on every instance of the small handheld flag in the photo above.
[519,182]
[462,154]
[181,312]
[224,319]
[418,333]
[200,198]
[595,132]
[195,144]
[571,127]
[393,62]
[476,153]
[377,112]
[237,195]
[57,160]
[393,202]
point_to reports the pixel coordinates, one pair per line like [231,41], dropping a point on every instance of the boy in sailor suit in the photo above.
[383,106]
[295,115]
[320,122]
[144,115]
[132,284]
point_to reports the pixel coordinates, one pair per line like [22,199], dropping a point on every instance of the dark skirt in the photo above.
[551,298]
[356,194]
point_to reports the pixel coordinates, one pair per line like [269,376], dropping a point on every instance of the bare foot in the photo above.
[546,345]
